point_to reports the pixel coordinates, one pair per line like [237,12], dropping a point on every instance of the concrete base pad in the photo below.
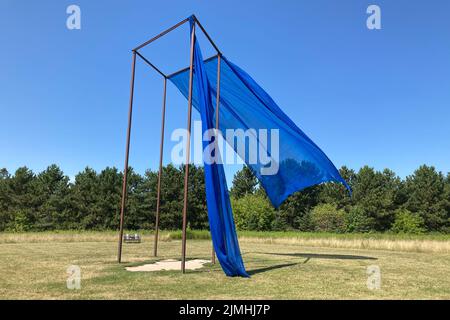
[169,264]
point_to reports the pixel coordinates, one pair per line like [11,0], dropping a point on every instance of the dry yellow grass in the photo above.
[438,246]
[37,237]
[400,244]
[67,236]
[33,266]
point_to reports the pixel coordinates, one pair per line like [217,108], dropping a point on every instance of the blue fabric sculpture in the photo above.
[293,164]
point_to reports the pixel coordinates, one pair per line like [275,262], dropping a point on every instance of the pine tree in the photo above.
[244,182]
[425,190]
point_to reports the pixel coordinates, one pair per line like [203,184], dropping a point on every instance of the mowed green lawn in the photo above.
[33,266]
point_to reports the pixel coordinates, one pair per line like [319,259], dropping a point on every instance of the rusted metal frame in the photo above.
[190,68]
[188,151]
[166,32]
[127,154]
[213,257]
[150,64]
[187,68]
[207,35]
[161,149]
[161,34]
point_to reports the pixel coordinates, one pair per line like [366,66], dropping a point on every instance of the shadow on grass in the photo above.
[209,267]
[322,256]
[265,269]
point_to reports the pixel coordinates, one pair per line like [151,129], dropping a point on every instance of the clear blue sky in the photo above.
[380,98]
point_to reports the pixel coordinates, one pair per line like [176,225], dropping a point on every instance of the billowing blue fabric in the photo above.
[245,105]
[220,214]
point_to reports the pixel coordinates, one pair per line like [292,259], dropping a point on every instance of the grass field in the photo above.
[282,266]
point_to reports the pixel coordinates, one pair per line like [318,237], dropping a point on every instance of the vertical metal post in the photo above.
[213,258]
[127,153]
[188,149]
[161,148]
[218,91]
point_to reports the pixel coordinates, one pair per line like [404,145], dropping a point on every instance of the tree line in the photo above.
[380,201]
